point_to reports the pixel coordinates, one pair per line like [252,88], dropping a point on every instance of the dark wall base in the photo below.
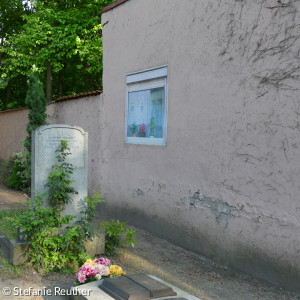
[245,260]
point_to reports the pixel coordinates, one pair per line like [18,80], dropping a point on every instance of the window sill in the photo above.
[145,141]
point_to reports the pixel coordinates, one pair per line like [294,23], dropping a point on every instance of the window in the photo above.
[146,107]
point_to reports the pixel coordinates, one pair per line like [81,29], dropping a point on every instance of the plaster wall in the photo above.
[226,185]
[12,131]
[82,112]
[85,113]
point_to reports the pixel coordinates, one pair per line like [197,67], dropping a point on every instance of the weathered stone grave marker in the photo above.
[45,140]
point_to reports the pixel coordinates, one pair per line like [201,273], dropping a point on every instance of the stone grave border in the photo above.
[95,293]
[12,250]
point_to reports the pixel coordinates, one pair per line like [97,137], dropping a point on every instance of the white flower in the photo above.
[105,271]
[102,270]
[98,276]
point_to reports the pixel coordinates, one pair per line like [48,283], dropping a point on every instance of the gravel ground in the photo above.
[193,273]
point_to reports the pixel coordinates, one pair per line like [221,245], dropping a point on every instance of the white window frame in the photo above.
[147,79]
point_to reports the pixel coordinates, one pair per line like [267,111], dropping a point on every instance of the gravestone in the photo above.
[156,288]
[122,288]
[45,140]
[136,287]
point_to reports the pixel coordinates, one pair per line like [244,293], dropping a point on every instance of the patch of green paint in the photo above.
[222,210]
[140,193]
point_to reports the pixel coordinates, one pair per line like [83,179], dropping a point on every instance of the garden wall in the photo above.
[226,185]
[12,131]
[82,112]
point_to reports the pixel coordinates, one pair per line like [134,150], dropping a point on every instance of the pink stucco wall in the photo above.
[12,131]
[83,112]
[226,185]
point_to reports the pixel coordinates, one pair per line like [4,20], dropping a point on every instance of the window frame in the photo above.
[139,81]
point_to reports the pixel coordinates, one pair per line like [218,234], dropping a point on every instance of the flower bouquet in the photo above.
[97,269]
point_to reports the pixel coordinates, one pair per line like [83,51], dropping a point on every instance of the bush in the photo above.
[116,236]
[14,181]
[47,248]
[20,177]
[6,167]
[53,244]
[5,226]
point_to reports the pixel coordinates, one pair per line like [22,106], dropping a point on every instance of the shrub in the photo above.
[86,231]
[14,181]
[20,176]
[59,182]
[53,243]
[6,168]
[5,226]
[36,103]
[48,249]
[116,236]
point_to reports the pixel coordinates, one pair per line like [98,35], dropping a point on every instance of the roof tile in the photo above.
[82,95]
[113,5]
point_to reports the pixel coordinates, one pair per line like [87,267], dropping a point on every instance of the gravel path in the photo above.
[152,255]
[10,199]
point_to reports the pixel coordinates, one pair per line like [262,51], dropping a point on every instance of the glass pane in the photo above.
[146,113]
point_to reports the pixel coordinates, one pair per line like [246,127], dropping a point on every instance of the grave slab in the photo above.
[95,293]
[156,288]
[123,288]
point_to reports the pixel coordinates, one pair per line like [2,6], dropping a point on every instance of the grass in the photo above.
[5,226]
[10,271]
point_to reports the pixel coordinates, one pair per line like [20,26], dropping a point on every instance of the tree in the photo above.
[20,178]
[64,39]
[36,103]
[12,86]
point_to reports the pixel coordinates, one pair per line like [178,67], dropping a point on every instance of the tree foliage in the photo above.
[36,102]
[63,38]
[20,178]
[12,85]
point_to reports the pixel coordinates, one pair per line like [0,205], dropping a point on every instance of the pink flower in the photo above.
[102,261]
[91,273]
[87,269]
[79,273]
[81,278]
[142,128]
